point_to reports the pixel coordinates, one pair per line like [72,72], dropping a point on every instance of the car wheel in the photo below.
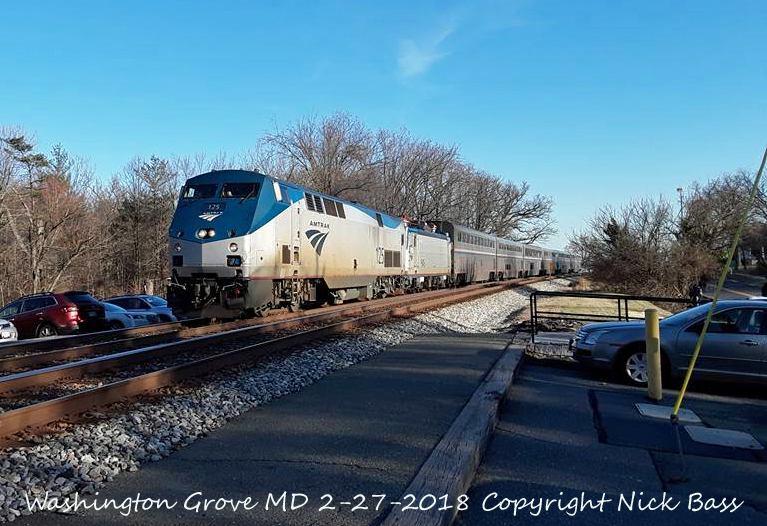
[114,325]
[633,367]
[45,330]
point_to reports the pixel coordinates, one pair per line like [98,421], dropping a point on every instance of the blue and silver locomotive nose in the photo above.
[209,232]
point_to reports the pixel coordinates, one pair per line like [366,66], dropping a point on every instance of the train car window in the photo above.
[340,210]
[330,207]
[309,202]
[379,219]
[199,191]
[240,190]
[318,204]
[283,196]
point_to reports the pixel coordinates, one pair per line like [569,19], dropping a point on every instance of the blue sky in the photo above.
[591,102]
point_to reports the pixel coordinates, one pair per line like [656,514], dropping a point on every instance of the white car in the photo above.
[119,318]
[8,332]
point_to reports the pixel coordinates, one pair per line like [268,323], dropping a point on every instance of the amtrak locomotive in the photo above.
[243,242]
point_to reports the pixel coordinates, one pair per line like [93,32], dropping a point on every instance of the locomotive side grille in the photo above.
[392,258]
[285,255]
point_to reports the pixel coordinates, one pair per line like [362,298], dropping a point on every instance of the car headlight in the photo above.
[592,337]
[5,334]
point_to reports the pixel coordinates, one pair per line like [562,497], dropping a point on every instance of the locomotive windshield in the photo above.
[199,191]
[240,190]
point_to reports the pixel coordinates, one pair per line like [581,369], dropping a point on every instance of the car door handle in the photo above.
[749,342]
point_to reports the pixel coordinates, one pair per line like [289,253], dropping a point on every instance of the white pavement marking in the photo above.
[663,412]
[723,437]
[738,293]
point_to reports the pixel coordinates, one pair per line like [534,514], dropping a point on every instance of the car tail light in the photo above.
[71,312]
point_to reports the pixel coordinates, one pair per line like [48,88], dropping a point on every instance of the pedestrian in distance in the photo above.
[694,294]
[703,283]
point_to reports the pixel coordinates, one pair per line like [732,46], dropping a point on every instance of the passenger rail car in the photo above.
[243,242]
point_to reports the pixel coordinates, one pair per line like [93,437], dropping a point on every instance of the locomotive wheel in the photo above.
[293,306]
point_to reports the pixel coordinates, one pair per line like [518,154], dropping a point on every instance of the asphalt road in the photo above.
[564,435]
[738,287]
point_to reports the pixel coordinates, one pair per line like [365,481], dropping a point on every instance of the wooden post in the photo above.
[652,346]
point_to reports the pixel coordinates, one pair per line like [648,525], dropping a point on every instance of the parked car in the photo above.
[8,332]
[49,314]
[734,347]
[146,304]
[119,318]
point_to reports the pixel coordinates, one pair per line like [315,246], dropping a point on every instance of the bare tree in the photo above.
[45,210]
[335,156]
[634,250]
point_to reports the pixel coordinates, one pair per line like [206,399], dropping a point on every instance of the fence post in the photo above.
[652,347]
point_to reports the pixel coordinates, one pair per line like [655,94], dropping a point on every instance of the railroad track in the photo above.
[199,355]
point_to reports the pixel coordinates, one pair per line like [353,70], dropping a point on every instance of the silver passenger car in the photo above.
[734,347]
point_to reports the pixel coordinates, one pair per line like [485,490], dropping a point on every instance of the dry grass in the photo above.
[594,306]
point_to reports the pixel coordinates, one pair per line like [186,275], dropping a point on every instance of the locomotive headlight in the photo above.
[202,233]
[177,247]
[233,247]
[211,232]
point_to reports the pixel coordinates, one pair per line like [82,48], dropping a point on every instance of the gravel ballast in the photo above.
[85,456]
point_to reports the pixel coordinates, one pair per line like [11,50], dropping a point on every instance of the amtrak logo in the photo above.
[210,216]
[317,239]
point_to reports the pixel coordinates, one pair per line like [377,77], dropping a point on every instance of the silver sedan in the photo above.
[8,332]
[734,347]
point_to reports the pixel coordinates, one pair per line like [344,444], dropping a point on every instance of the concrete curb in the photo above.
[452,464]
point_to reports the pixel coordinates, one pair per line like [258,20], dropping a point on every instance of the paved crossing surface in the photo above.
[562,434]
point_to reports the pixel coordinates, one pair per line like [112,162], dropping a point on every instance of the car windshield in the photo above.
[687,315]
[239,190]
[199,191]
[156,302]
[80,298]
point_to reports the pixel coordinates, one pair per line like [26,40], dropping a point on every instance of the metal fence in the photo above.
[622,312]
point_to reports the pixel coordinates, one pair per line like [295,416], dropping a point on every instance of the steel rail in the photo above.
[83,351]
[76,340]
[42,413]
